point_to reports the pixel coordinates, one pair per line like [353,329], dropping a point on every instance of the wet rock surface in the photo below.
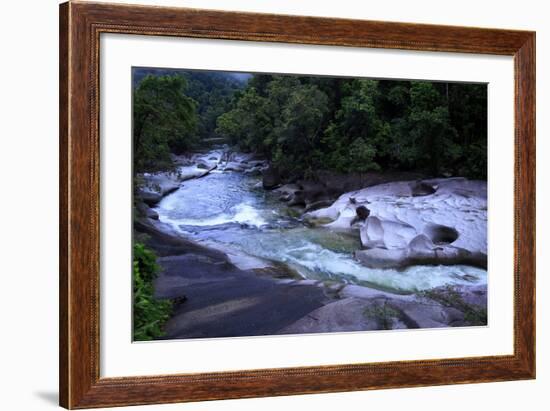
[221,291]
[438,221]
[223,301]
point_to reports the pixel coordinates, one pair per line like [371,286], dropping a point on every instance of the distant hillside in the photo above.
[138,73]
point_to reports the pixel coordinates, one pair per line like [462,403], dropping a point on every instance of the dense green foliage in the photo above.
[164,121]
[214,94]
[150,314]
[176,110]
[303,124]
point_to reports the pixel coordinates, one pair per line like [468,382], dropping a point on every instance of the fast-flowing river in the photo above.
[231,210]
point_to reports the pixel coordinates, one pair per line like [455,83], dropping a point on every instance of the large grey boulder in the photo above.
[386,233]
[191,172]
[425,313]
[437,221]
[342,315]
[404,257]
[156,186]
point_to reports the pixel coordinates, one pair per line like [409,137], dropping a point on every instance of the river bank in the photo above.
[243,260]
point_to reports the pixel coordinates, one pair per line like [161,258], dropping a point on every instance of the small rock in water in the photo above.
[203,166]
[422,189]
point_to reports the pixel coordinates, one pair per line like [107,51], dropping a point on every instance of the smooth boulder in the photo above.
[437,221]
[156,186]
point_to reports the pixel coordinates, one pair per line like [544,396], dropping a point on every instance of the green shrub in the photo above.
[150,313]
[164,122]
[383,314]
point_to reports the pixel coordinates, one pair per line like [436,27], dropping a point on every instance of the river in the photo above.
[232,211]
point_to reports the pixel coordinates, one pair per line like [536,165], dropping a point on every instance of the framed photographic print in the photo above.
[257,205]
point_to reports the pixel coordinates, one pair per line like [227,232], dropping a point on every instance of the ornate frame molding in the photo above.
[81,24]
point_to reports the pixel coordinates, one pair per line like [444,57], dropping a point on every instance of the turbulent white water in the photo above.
[322,254]
[227,209]
[241,214]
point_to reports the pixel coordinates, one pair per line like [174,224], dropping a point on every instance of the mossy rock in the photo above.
[384,314]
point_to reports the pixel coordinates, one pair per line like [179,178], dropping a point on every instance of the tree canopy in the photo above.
[174,110]
[304,124]
[165,121]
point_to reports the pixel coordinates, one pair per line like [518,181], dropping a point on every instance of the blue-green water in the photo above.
[231,210]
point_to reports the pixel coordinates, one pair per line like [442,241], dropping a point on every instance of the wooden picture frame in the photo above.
[80,27]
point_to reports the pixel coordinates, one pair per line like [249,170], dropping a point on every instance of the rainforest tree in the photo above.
[165,121]
[303,124]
